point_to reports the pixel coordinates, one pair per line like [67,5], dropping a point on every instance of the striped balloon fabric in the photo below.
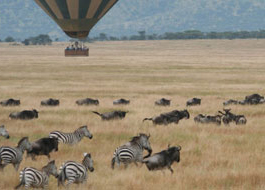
[76,17]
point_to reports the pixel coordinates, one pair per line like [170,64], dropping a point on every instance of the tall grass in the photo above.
[225,157]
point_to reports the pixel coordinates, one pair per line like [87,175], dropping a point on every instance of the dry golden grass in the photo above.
[211,157]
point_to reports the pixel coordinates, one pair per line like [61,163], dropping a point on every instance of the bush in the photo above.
[42,39]
[9,39]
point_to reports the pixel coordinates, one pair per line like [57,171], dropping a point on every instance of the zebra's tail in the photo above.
[97,113]
[61,177]
[22,179]
[114,159]
[147,119]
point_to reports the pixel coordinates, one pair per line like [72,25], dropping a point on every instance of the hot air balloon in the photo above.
[76,17]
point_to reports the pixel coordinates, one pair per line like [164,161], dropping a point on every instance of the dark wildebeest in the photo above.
[253,99]
[87,101]
[230,117]
[111,115]
[193,102]
[50,102]
[10,102]
[24,115]
[205,119]
[162,102]
[3,132]
[163,159]
[169,117]
[43,146]
[121,101]
[230,102]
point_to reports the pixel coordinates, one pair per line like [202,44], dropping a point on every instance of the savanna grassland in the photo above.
[212,157]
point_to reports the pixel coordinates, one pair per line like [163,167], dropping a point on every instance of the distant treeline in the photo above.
[186,35]
[44,39]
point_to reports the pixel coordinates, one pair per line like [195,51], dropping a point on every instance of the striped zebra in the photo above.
[132,151]
[9,155]
[72,138]
[3,132]
[75,172]
[31,177]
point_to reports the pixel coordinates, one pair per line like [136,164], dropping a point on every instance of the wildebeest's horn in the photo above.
[221,112]
[168,146]
[148,136]
[179,147]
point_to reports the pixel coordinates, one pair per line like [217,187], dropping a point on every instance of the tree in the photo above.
[142,35]
[9,39]
[103,37]
[42,39]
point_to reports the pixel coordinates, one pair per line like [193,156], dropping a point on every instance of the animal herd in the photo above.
[130,152]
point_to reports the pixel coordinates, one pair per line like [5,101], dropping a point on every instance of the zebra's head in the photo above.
[88,162]
[3,132]
[144,141]
[51,168]
[25,144]
[86,132]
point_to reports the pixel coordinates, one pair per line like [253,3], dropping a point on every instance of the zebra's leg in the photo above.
[69,183]
[16,166]
[49,157]
[2,166]
[136,164]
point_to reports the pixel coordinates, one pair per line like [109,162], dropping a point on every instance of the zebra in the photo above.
[31,177]
[72,138]
[9,155]
[75,172]
[3,132]
[132,151]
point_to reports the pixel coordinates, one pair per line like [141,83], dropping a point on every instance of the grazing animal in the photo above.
[111,115]
[72,138]
[170,117]
[87,101]
[205,119]
[75,172]
[43,146]
[24,115]
[193,102]
[121,102]
[50,102]
[230,102]
[230,117]
[163,159]
[3,132]
[9,155]
[31,177]
[132,151]
[10,102]
[162,102]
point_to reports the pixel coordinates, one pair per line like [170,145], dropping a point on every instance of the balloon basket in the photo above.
[76,53]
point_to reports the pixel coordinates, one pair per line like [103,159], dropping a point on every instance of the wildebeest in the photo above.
[205,119]
[193,102]
[3,132]
[10,102]
[253,99]
[43,146]
[230,117]
[230,102]
[162,102]
[87,101]
[24,115]
[50,102]
[163,159]
[169,117]
[111,115]
[121,101]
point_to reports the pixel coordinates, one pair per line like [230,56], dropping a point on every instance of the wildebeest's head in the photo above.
[88,162]
[36,115]
[186,114]
[174,153]
[55,142]
[3,132]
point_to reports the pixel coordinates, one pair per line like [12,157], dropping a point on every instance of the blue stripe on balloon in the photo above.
[83,8]
[62,5]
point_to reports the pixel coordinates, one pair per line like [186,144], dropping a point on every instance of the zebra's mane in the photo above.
[21,140]
[80,128]
[136,138]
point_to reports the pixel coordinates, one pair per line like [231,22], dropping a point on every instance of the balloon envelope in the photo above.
[76,17]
